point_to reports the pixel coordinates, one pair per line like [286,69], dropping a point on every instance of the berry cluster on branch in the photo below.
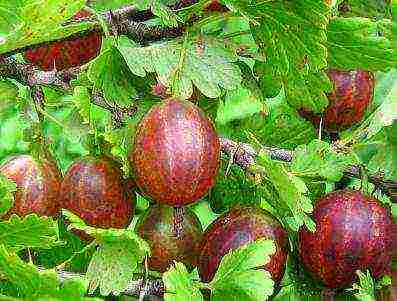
[243,154]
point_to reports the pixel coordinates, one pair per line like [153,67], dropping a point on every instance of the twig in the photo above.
[118,113]
[122,21]
[244,156]
[31,75]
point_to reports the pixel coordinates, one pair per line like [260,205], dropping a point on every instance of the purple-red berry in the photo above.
[354,232]
[38,184]
[173,235]
[176,153]
[352,94]
[236,228]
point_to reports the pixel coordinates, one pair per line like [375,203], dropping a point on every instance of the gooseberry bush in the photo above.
[198,150]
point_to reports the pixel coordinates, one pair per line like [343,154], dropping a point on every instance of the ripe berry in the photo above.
[72,52]
[354,232]
[240,226]
[38,183]
[173,235]
[176,153]
[93,189]
[352,94]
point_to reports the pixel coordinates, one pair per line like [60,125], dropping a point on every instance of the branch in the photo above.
[244,155]
[118,113]
[31,75]
[123,21]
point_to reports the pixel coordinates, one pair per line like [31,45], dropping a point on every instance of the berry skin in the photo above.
[93,189]
[176,153]
[173,235]
[233,229]
[72,52]
[352,94]
[38,183]
[354,232]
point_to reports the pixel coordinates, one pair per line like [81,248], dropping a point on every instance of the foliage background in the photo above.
[250,70]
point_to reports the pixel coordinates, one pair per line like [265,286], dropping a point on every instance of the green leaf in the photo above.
[203,61]
[8,93]
[113,264]
[292,37]
[7,190]
[291,201]
[34,285]
[30,231]
[180,285]
[238,276]
[318,159]
[365,289]
[366,8]
[204,213]
[110,74]
[242,102]
[385,160]
[354,43]
[39,21]
[106,235]
[386,97]
[82,100]
[281,127]
[229,188]
[105,5]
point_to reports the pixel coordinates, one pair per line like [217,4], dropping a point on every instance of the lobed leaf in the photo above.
[39,21]
[110,74]
[292,37]
[204,62]
[34,285]
[318,160]
[291,201]
[360,43]
[30,231]
[180,285]
[242,102]
[238,276]
[117,258]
